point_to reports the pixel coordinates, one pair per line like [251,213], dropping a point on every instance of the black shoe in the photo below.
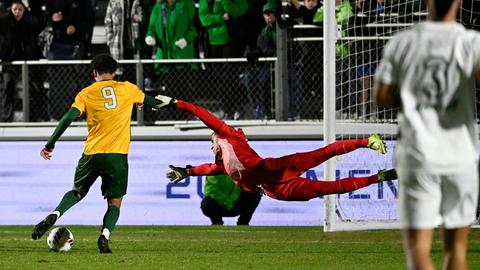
[43,226]
[103,244]
[217,221]
[387,175]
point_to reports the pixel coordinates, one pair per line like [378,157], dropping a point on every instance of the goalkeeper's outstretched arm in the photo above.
[63,124]
[177,174]
[215,124]
[157,103]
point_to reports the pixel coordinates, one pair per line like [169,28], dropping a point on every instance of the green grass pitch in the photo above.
[216,247]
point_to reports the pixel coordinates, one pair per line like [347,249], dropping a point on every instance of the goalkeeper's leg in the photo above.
[303,189]
[307,160]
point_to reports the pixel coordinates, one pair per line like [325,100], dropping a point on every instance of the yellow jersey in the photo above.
[108,107]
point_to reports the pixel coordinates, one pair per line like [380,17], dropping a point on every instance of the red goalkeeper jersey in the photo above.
[239,159]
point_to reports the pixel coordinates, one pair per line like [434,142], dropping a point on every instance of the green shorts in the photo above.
[113,168]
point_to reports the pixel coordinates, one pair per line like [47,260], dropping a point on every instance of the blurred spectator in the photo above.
[172,32]
[343,13]
[254,23]
[69,22]
[367,7]
[367,55]
[37,9]
[226,39]
[34,8]
[89,30]
[267,47]
[222,35]
[141,12]
[305,56]
[345,86]
[305,11]
[222,198]
[18,41]
[119,31]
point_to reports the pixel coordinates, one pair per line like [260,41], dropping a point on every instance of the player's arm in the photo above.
[206,169]
[385,95]
[63,124]
[177,174]
[215,124]
[151,101]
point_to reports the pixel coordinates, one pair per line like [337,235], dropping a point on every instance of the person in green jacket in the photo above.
[222,19]
[222,198]
[217,16]
[343,13]
[171,30]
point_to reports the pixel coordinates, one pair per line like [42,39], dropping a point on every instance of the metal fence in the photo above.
[230,88]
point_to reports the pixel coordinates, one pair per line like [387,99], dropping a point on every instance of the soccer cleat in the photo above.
[103,244]
[43,226]
[387,175]
[376,143]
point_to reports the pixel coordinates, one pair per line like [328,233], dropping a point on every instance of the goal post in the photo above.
[352,51]
[329,26]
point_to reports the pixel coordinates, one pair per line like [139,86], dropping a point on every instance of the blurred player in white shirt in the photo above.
[429,71]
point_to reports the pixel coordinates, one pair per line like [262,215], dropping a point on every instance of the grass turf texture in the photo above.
[228,247]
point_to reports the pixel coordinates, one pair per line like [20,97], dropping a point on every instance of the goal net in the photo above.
[358,51]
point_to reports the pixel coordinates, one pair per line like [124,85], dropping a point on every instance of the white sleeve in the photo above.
[385,72]
[476,53]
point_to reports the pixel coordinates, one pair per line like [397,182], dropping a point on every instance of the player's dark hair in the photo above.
[17,2]
[442,7]
[103,63]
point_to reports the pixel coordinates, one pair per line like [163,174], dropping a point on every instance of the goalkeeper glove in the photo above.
[376,143]
[164,101]
[387,175]
[176,174]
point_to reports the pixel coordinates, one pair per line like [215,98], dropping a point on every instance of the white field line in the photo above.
[170,231]
[212,240]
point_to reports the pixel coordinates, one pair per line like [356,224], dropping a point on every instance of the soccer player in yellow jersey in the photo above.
[108,106]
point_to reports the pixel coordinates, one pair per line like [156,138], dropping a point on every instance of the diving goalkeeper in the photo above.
[278,177]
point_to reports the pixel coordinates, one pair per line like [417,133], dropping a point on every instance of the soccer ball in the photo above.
[60,239]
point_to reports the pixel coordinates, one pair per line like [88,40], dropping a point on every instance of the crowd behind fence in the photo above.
[233,88]
[46,89]
[243,91]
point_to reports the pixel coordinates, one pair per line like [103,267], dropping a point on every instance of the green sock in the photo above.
[68,200]
[111,217]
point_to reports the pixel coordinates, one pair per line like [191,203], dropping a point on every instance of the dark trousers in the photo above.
[7,95]
[64,80]
[9,78]
[244,207]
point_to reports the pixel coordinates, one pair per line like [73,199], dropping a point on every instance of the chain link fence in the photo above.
[233,89]
[230,89]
